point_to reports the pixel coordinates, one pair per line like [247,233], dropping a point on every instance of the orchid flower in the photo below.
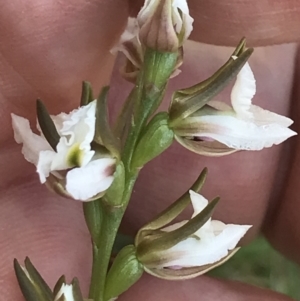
[218,129]
[208,245]
[73,168]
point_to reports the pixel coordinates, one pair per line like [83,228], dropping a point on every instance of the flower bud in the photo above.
[32,285]
[67,292]
[164,24]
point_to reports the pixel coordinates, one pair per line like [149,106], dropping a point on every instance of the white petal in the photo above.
[185,21]
[263,117]
[32,143]
[85,182]
[193,252]
[76,129]
[243,91]
[242,134]
[199,202]
[146,11]
[44,164]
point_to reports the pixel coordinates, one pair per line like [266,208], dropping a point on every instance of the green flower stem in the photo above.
[148,93]
[111,218]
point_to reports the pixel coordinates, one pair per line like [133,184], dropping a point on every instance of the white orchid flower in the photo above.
[210,244]
[219,129]
[81,172]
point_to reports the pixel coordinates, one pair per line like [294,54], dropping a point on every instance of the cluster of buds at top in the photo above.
[34,287]
[187,249]
[75,154]
[161,25]
[213,128]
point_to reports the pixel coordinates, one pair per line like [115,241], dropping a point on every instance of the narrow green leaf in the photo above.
[86,94]
[47,125]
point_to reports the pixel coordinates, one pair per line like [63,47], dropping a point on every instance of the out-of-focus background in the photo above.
[259,264]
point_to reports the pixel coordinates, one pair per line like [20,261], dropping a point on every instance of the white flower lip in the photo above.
[242,127]
[74,158]
[211,243]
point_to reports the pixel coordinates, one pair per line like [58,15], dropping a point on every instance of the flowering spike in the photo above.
[86,94]
[47,125]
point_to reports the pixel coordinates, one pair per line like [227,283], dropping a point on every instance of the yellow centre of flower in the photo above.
[75,155]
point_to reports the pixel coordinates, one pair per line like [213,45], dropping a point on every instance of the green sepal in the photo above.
[93,217]
[170,213]
[125,271]
[114,194]
[148,250]
[76,290]
[86,94]
[47,125]
[59,283]
[155,139]
[32,285]
[103,133]
[187,101]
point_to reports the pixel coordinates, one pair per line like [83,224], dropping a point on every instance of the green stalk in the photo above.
[148,94]
[111,219]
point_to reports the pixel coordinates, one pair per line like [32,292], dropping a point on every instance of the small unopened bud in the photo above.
[33,286]
[164,24]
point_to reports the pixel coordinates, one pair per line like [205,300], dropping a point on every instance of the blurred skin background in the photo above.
[48,47]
